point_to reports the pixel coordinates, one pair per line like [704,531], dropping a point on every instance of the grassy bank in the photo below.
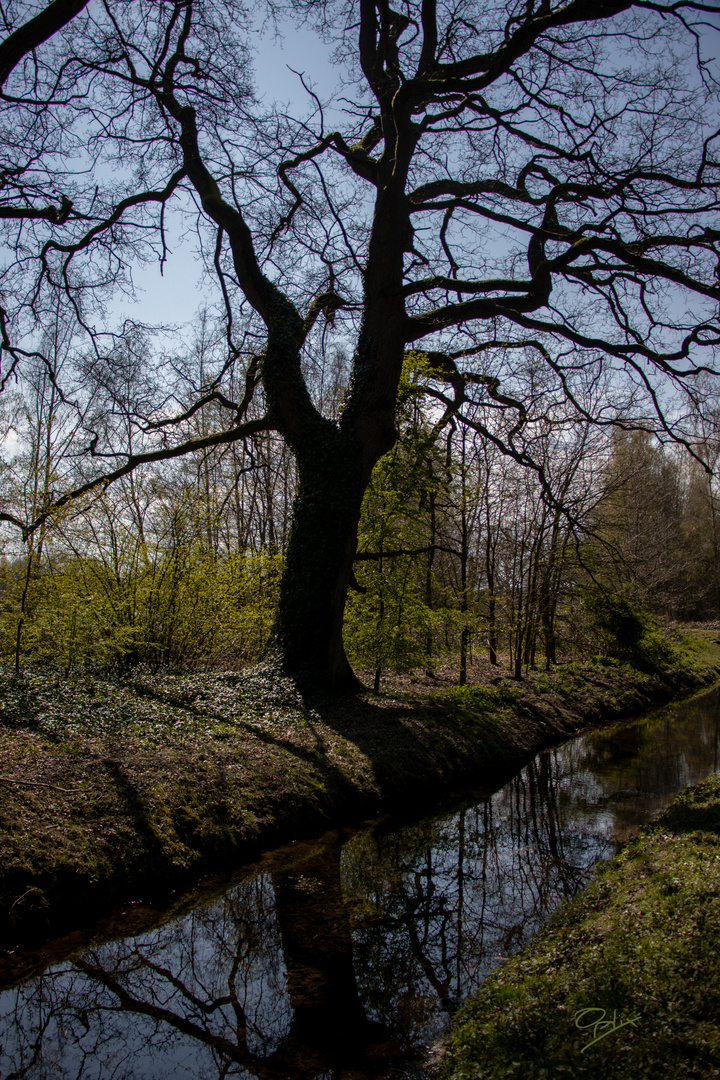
[639,948]
[114,789]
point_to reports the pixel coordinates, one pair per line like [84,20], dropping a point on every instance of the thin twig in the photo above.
[37,783]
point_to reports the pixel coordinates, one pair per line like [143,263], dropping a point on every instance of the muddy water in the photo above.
[343,957]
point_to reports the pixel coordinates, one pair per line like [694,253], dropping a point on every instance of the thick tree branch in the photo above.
[132,462]
[35,32]
[397,553]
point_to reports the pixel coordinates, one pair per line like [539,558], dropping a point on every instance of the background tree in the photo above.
[540,177]
[392,619]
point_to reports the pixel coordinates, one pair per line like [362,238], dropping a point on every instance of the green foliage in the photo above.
[390,622]
[626,632]
[480,698]
[642,941]
[388,625]
[181,605]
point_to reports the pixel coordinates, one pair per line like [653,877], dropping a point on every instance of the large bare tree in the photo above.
[495,186]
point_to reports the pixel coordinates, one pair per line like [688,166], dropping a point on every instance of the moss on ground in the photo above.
[113,789]
[624,983]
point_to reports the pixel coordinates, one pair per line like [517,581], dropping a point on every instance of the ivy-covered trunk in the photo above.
[335,460]
[319,561]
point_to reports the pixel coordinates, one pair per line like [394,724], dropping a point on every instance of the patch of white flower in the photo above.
[157,707]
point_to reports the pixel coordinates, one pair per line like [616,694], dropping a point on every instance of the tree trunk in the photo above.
[548,603]
[379,655]
[430,637]
[464,634]
[490,548]
[319,563]
[492,633]
[517,665]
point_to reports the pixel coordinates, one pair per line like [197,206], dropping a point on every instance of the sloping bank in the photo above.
[117,790]
[624,983]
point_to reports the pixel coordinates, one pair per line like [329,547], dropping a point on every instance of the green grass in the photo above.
[117,787]
[640,944]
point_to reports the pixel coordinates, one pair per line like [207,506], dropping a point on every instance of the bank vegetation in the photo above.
[624,982]
[126,787]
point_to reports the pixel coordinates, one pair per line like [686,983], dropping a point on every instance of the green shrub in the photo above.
[626,632]
[181,606]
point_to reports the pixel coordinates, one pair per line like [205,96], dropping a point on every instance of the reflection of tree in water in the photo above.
[265,984]
[301,971]
[639,767]
[198,995]
[259,985]
[437,904]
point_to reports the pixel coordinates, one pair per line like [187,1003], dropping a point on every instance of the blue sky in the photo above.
[174,296]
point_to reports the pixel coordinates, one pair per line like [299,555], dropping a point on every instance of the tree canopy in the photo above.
[522,196]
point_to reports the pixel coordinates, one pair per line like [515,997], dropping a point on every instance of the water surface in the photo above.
[342,958]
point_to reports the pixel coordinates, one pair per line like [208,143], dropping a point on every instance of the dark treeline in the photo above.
[567,546]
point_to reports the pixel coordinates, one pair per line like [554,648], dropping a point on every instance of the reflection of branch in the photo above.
[441,987]
[24,1070]
[240,1018]
[203,1006]
[276,1066]
[134,1004]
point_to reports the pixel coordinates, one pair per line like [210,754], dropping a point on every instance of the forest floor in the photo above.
[121,788]
[624,982]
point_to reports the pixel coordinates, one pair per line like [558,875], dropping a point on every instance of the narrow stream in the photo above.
[342,958]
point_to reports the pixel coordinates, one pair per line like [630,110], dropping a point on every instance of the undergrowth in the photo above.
[625,981]
[112,783]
